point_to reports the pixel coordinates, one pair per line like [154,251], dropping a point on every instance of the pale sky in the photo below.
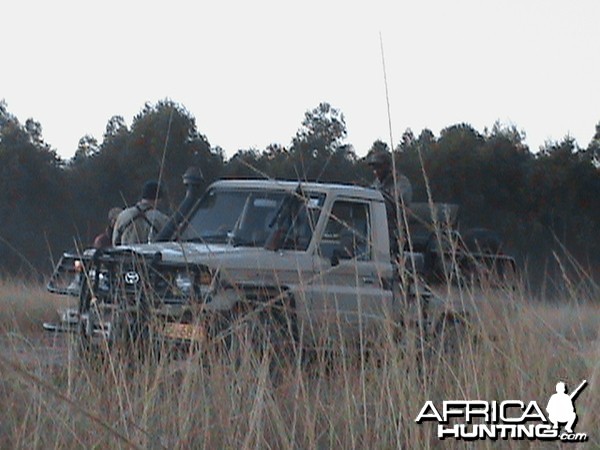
[248,70]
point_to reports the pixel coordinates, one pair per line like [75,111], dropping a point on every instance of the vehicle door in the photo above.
[350,289]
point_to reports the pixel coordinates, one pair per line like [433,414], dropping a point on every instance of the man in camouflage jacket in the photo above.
[141,223]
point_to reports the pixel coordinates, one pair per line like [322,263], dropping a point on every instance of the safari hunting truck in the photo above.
[301,262]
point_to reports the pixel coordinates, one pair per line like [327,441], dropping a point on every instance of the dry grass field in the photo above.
[52,398]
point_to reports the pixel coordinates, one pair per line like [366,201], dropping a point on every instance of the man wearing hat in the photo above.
[141,223]
[104,239]
[380,162]
[397,191]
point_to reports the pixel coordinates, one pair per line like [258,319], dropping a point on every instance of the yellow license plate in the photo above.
[184,331]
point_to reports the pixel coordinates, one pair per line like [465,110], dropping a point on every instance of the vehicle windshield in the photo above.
[295,221]
[233,216]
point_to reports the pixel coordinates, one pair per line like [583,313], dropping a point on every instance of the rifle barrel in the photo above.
[579,388]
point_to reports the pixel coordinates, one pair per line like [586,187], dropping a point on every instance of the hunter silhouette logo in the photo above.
[560,406]
[509,419]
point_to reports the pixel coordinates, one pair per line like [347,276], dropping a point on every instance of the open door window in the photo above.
[346,234]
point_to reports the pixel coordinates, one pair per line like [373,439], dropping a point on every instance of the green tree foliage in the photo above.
[530,199]
[33,195]
[165,138]
[246,164]
[593,151]
[161,144]
[565,189]
[276,161]
[318,151]
[86,148]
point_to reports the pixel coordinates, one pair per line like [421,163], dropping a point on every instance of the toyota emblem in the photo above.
[132,277]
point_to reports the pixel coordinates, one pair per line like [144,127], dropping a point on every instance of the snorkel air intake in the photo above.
[192,179]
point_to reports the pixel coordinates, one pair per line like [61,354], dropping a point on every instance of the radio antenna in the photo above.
[387,98]
[400,206]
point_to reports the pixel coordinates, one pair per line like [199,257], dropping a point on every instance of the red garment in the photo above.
[104,239]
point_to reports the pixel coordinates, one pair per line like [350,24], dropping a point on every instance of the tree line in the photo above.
[539,202]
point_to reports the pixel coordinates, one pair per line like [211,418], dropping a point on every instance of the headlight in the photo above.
[74,287]
[103,282]
[204,277]
[103,279]
[184,283]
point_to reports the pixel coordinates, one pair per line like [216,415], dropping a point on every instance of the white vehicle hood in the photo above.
[239,263]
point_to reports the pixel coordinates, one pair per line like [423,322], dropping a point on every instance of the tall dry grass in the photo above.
[50,397]
[24,303]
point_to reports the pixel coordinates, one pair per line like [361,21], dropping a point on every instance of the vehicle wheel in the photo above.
[83,347]
[482,240]
[256,332]
[130,335]
[450,335]
[442,265]
[96,349]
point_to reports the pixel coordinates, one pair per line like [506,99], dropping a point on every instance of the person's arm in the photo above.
[117,231]
[159,220]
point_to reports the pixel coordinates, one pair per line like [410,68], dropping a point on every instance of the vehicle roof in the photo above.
[326,188]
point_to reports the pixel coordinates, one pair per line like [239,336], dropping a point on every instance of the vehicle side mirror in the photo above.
[339,254]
